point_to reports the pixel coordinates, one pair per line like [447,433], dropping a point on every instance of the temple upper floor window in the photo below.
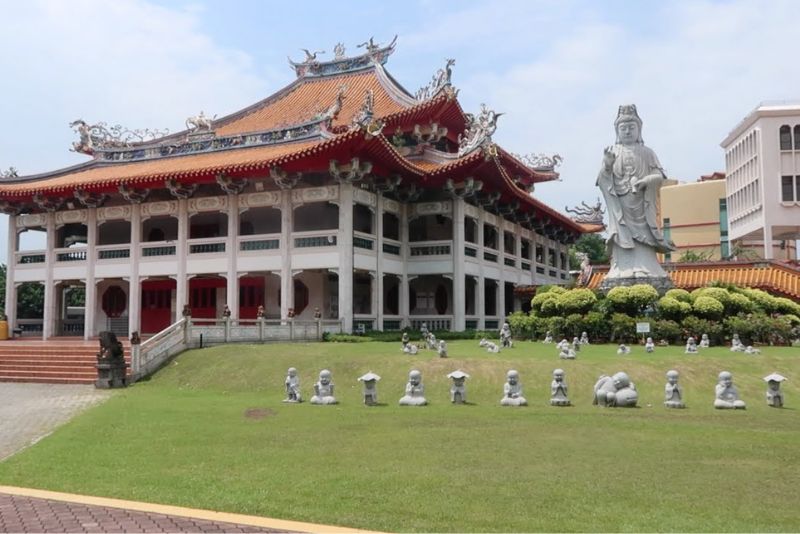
[391,226]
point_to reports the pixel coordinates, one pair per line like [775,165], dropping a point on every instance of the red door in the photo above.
[203,297]
[156,305]
[251,296]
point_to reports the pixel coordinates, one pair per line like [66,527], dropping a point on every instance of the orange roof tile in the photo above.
[770,275]
[302,100]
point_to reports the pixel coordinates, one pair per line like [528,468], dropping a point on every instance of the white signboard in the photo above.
[642,328]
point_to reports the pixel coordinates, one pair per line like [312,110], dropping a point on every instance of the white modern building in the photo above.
[762,167]
[342,196]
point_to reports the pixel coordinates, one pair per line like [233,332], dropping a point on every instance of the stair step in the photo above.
[46,368]
[91,374]
[47,380]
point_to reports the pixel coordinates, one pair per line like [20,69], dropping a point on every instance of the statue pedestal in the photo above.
[661,283]
[111,374]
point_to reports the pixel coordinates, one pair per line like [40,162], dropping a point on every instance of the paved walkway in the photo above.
[30,510]
[29,412]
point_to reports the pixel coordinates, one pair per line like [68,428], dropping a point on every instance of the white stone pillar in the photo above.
[404,305]
[11,288]
[232,250]
[768,242]
[377,286]
[90,290]
[500,298]
[480,302]
[181,253]
[49,313]
[374,298]
[459,260]
[287,282]
[134,285]
[345,244]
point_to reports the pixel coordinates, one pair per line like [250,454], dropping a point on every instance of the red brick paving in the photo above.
[29,514]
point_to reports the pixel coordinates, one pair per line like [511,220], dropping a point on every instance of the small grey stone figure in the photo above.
[323,389]
[431,343]
[548,338]
[617,390]
[442,348]
[727,396]
[404,339]
[750,349]
[370,381]
[512,391]
[774,393]
[505,336]
[673,393]
[292,384]
[691,346]
[490,346]
[458,389]
[415,390]
[736,344]
[623,349]
[584,338]
[576,344]
[423,330]
[558,389]
[704,341]
[649,346]
[567,353]
[410,348]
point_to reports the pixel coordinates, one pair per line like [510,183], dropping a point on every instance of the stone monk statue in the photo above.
[629,179]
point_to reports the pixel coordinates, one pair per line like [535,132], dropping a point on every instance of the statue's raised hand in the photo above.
[608,158]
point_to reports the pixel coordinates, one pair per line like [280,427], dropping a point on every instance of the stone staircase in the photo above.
[53,362]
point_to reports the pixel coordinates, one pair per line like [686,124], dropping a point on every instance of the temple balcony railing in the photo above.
[471,322]
[31,259]
[64,255]
[113,252]
[471,251]
[433,322]
[215,245]
[363,322]
[427,249]
[315,239]
[510,261]
[259,244]
[364,242]
[393,247]
[392,323]
[157,249]
[30,327]
[492,322]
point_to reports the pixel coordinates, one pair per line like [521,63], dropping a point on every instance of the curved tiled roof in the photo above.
[772,276]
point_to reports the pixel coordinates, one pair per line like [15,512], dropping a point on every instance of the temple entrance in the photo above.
[207,297]
[71,305]
[251,296]
[156,305]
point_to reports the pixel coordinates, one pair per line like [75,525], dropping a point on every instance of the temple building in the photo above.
[342,195]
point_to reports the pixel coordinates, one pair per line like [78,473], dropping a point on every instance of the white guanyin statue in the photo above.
[415,390]
[558,389]
[673,393]
[370,381]
[617,390]
[458,388]
[323,389]
[649,346]
[292,384]
[727,396]
[512,390]
[630,178]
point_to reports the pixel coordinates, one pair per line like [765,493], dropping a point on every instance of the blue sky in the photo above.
[557,69]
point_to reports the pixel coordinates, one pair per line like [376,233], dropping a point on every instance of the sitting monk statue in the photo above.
[458,389]
[704,341]
[750,349]
[584,338]
[567,353]
[410,348]
[623,349]
[691,346]
[649,346]
[404,340]
[558,389]
[442,348]
[370,381]
[415,390]
[727,396]
[548,338]
[562,344]
[431,341]
[774,393]
[736,344]
[617,390]
[292,384]
[673,393]
[512,391]
[323,389]
[490,346]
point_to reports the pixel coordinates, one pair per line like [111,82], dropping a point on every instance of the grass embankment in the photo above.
[210,431]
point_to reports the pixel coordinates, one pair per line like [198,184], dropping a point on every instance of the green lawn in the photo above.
[185,438]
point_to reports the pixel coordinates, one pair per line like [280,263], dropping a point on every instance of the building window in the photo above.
[724,244]
[786,137]
[667,237]
[787,189]
[797,137]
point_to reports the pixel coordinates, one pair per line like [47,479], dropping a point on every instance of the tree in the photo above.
[594,245]
[690,256]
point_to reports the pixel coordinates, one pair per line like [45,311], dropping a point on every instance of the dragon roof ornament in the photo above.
[439,81]
[587,214]
[101,136]
[9,174]
[479,130]
[375,54]
[540,162]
